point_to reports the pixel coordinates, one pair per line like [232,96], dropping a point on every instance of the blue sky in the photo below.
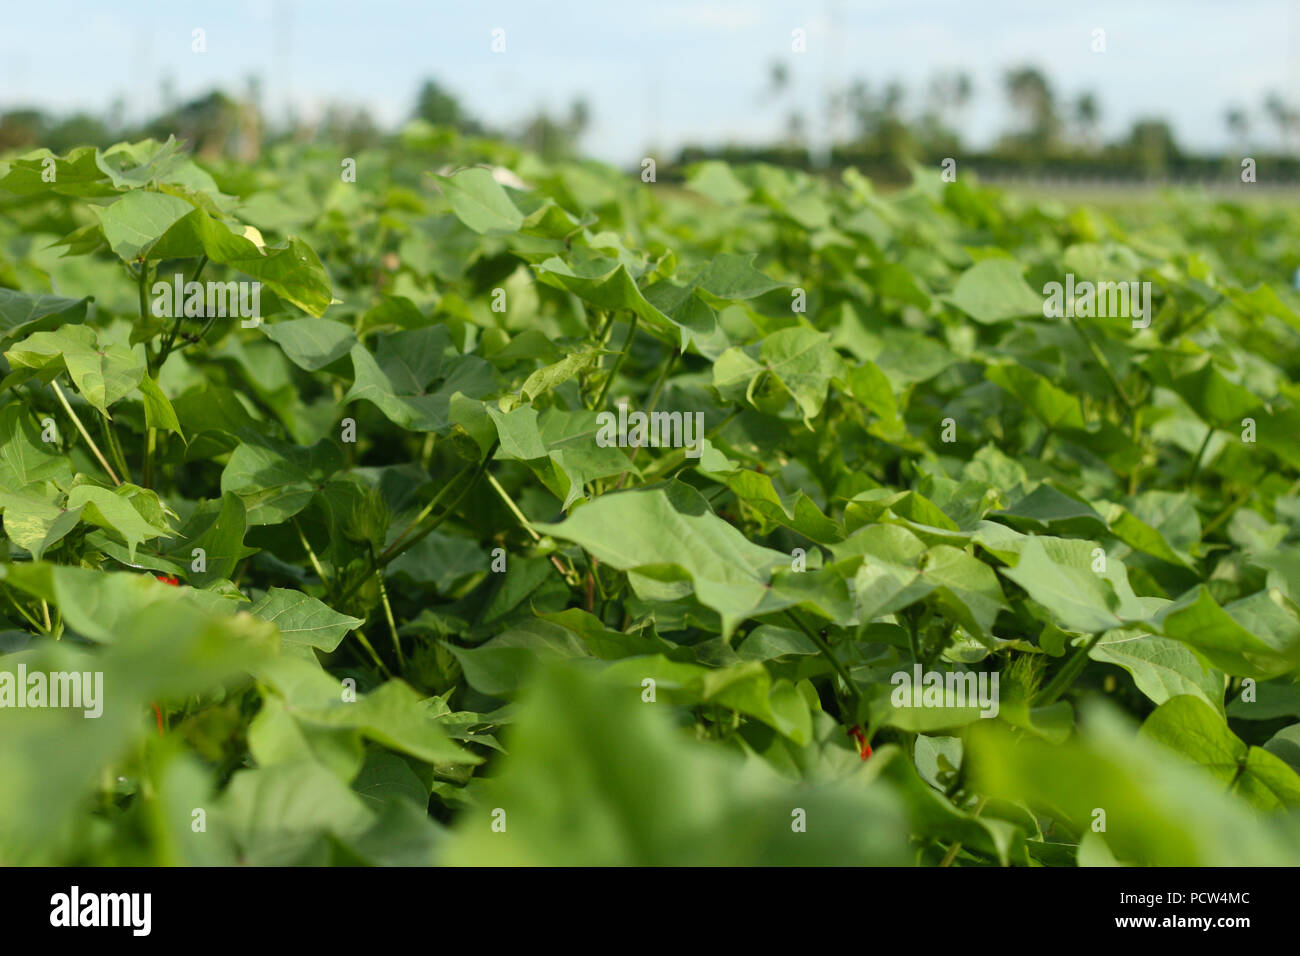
[658,74]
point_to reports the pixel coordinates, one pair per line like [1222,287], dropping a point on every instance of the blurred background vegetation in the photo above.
[884,127]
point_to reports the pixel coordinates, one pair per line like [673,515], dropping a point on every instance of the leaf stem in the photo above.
[570,574]
[150,443]
[1105,365]
[393,551]
[114,446]
[1226,513]
[514,508]
[176,319]
[315,562]
[659,385]
[379,661]
[829,654]
[1209,307]
[23,611]
[1041,445]
[604,327]
[618,363]
[427,510]
[388,614]
[58,392]
[1196,462]
[1066,676]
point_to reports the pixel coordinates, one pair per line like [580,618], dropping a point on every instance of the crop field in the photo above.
[441,505]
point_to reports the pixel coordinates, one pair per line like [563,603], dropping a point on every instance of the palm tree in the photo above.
[1031,94]
[950,92]
[1282,114]
[1087,114]
[778,78]
[1238,123]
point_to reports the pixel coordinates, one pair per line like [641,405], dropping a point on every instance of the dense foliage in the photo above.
[364,585]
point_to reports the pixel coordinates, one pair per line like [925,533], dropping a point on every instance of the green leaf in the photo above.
[312,344]
[502,665]
[136,222]
[33,521]
[218,528]
[302,619]
[119,510]
[1169,813]
[607,284]
[800,359]
[668,534]
[392,715]
[582,736]
[277,480]
[22,314]
[995,291]
[1161,668]
[281,815]
[481,203]
[1192,728]
[1052,406]
[24,458]
[156,226]
[103,375]
[158,410]
[1046,509]
[1254,637]
[1078,598]
[413,376]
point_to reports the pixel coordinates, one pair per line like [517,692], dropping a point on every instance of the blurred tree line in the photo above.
[883,129]
[880,129]
[218,124]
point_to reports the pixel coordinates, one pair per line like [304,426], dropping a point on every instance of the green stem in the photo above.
[570,574]
[150,444]
[663,377]
[514,508]
[176,320]
[379,661]
[1196,462]
[315,562]
[1042,443]
[1226,513]
[829,654]
[1209,307]
[604,327]
[114,446]
[1066,675]
[427,510]
[23,611]
[388,614]
[660,465]
[58,392]
[618,364]
[203,332]
[1105,365]
[394,551]
[141,284]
